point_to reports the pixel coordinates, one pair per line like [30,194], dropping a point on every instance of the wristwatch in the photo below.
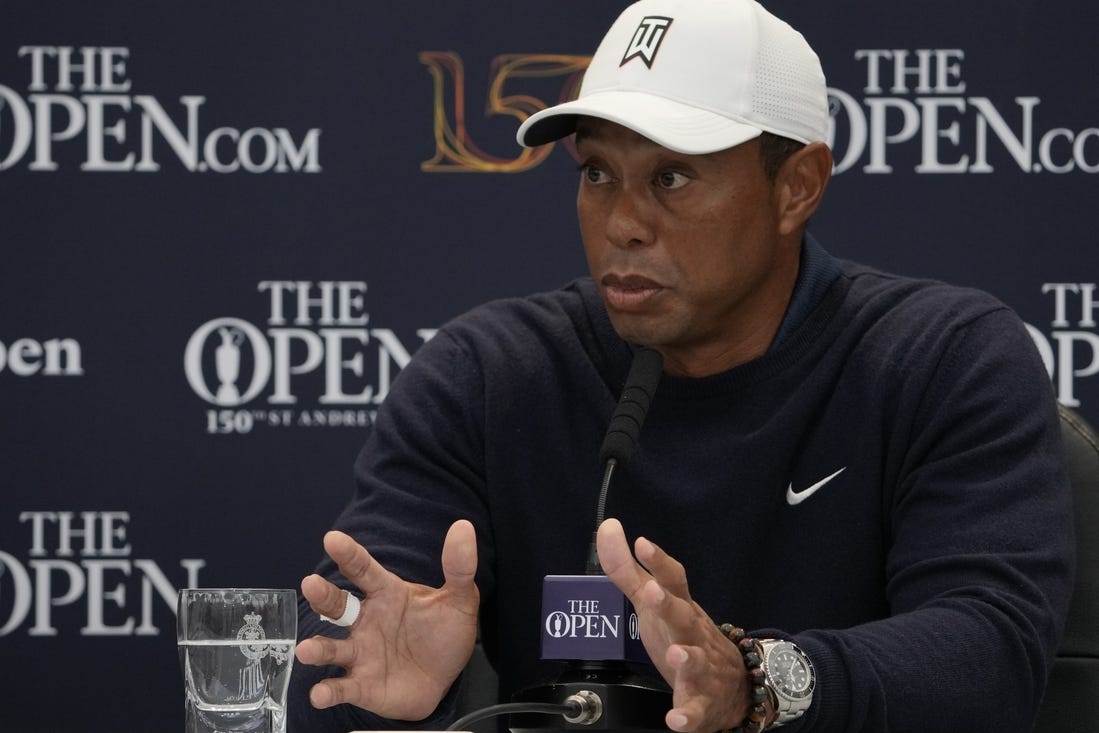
[789,678]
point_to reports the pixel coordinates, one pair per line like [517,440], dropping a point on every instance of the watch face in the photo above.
[789,671]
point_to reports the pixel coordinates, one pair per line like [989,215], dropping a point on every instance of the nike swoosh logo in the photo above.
[793,498]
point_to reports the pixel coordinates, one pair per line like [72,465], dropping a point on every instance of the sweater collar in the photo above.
[816,273]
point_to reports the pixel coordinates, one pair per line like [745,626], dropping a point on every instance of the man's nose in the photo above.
[629,221]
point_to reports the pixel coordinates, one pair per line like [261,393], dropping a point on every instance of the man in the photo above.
[863,465]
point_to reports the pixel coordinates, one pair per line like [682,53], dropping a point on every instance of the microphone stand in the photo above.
[617,696]
[614,696]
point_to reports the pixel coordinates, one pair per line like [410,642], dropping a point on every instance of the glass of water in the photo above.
[236,647]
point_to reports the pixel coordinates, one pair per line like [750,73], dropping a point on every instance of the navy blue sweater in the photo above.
[928,581]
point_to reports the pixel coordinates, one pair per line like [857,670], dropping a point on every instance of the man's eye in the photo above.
[671,179]
[592,174]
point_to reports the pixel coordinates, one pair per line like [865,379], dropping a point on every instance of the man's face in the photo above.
[684,248]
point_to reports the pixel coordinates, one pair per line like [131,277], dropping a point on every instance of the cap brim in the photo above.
[668,123]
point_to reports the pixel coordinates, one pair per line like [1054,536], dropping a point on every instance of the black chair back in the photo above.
[1071,704]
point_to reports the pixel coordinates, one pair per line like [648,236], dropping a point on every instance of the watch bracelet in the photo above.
[758,692]
[787,709]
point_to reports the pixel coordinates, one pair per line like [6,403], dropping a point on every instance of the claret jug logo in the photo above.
[80,99]
[319,362]
[647,39]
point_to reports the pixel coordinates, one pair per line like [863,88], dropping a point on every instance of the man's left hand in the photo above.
[705,670]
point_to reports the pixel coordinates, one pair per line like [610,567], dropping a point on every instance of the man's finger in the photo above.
[459,559]
[617,560]
[687,698]
[682,719]
[323,650]
[324,597]
[333,691]
[668,571]
[355,563]
[677,656]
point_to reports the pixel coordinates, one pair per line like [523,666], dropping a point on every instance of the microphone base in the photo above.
[633,699]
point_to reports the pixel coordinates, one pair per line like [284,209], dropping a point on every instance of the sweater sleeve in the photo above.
[978,572]
[419,470]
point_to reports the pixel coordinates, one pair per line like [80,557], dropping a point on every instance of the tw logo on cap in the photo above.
[647,39]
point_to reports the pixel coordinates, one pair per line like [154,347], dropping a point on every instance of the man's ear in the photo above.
[800,184]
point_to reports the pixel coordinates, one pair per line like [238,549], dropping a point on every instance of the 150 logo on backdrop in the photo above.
[83,560]
[318,341]
[81,97]
[915,100]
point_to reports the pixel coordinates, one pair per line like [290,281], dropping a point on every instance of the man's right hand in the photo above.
[409,643]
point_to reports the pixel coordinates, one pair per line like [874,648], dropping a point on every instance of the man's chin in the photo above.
[637,329]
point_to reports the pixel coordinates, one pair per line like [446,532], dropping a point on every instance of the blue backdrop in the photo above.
[226,227]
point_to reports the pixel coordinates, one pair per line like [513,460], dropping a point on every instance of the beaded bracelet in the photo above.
[757,714]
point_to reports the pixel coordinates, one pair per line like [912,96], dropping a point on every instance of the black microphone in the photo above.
[608,680]
[633,405]
[625,427]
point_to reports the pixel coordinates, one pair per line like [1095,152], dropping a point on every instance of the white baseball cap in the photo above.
[697,76]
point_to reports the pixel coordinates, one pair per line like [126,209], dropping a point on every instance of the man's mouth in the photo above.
[629,292]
